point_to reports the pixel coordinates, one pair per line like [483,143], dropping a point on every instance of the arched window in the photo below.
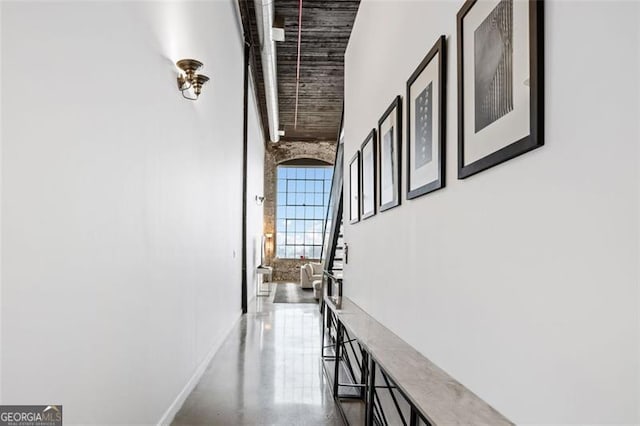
[302,195]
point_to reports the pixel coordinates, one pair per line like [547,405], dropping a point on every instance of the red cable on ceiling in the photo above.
[295,119]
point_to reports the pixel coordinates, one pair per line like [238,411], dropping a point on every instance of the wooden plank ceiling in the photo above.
[326,27]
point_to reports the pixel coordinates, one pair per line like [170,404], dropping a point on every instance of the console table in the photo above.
[378,379]
[263,270]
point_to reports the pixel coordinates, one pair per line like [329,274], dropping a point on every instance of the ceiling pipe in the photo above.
[264,19]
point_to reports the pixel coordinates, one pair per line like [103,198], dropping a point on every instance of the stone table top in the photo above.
[438,396]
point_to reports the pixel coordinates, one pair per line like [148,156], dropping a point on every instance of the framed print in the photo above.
[500,82]
[368,176]
[389,159]
[354,188]
[426,118]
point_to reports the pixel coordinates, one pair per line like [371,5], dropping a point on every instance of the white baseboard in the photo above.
[175,406]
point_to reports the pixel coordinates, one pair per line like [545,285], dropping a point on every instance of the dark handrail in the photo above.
[333,219]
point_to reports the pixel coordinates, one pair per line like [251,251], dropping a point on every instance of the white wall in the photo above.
[255,186]
[522,281]
[1,97]
[638,261]
[121,203]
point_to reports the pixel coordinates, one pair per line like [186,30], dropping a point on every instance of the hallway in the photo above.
[267,372]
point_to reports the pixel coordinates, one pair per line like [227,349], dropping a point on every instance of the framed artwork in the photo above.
[354,188]
[500,82]
[389,157]
[368,176]
[426,118]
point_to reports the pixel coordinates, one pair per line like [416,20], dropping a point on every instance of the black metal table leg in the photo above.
[336,387]
[370,392]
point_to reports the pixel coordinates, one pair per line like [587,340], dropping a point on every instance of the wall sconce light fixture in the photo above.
[190,79]
[267,247]
[269,243]
[259,199]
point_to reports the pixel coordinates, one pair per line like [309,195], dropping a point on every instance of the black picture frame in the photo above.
[535,138]
[396,157]
[370,139]
[354,198]
[437,51]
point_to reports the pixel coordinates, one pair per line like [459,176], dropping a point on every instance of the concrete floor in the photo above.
[267,372]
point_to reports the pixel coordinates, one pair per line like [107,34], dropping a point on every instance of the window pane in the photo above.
[289,252]
[299,238]
[308,226]
[316,252]
[281,225]
[280,252]
[317,225]
[300,199]
[291,172]
[280,212]
[291,238]
[308,213]
[308,238]
[280,239]
[299,251]
[328,172]
[299,186]
[308,252]
[318,200]
[319,186]
[291,212]
[310,173]
[319,212]
[291,185]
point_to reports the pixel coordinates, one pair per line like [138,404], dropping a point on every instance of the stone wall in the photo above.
[275,154]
